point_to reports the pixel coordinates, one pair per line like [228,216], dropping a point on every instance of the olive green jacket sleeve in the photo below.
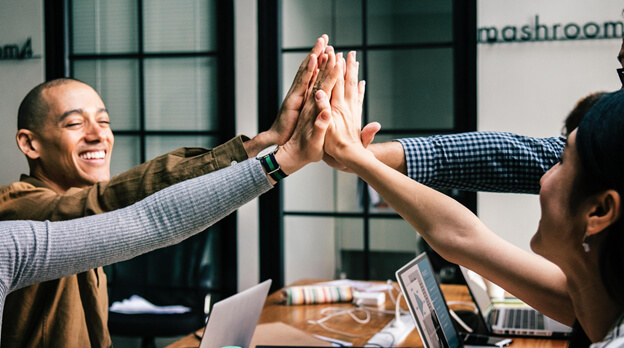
[19,199]
[73,311]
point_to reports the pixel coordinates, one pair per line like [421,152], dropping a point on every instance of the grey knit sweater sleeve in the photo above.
[32,252]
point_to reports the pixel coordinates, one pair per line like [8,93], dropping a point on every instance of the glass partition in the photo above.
[158,66]
[407,51]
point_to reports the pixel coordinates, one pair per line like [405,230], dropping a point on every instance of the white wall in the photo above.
[529,88]
[19,20]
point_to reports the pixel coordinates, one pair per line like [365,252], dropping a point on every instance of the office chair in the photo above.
[182,274]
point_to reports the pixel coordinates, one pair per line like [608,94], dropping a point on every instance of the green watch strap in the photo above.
[272,167]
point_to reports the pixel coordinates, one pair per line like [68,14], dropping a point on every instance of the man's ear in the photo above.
[605,211]
[27,143]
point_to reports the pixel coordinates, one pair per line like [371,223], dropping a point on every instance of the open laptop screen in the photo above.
[427,304]
[480,296]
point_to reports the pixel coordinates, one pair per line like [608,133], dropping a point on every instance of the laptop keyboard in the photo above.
[521,318]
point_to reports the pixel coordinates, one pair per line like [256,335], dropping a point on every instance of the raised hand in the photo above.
[282,128]
[306,142]
[368,135]
[344,134]
[285,122]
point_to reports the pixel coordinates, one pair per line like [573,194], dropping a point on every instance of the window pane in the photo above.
[312,245]
[305,21]
[290,65]
[126,154]
[157,145]
[181,25]
[411,89]
[317,187]
[181,94]
[393,242]
[409,21]
[104,26]
[350,247]
[117,82]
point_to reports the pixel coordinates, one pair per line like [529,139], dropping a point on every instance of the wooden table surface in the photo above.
[298,317]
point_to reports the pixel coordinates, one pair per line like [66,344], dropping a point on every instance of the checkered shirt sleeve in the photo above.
[481,161]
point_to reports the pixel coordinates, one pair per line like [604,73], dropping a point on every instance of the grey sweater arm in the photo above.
[32,252]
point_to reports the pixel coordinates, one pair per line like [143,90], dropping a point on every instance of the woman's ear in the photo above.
[604,212]
[27,143]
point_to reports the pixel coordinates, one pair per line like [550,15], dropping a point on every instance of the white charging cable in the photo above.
[398,323]
[331,312]
[457,318]
[336,311]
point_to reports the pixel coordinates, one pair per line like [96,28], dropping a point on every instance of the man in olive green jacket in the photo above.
[64,131]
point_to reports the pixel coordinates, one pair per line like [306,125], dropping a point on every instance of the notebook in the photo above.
[428,307]
[233,320]
[509,320]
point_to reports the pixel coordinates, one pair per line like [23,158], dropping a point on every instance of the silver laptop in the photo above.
[233,320]
[429,310]
[510,320]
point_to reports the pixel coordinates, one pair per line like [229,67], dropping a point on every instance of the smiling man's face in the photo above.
[76,141]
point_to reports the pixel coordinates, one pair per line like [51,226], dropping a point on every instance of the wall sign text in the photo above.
[17,51]
[537,31]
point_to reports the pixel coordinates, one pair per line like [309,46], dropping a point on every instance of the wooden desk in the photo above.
[298,316]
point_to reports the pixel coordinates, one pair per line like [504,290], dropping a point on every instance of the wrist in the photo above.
[271,165]
[351,156]
[391,154]
[258,143]
[289,161]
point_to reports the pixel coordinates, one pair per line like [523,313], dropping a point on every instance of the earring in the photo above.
[586,243]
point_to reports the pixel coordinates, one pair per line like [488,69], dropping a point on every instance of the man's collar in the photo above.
[33,181]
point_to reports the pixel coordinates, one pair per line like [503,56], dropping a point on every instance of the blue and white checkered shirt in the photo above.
[481,161]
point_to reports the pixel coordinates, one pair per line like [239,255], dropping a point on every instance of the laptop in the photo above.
[233,320]
[429,310]
[509,320]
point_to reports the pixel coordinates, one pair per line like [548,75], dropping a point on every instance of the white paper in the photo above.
[138,305]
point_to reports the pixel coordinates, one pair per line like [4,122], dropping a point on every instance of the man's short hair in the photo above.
[34,109]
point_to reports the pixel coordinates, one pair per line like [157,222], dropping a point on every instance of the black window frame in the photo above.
[272,214]
[59,59]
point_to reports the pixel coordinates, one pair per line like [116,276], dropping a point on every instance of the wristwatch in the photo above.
[270,165]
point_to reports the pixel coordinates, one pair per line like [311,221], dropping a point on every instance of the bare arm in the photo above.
[451,229]
[391,154]
[460,237]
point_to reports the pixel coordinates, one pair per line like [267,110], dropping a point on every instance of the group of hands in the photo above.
[321,115]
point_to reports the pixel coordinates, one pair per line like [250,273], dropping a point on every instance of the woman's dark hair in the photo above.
[580,110]
[600,145]
[579,338]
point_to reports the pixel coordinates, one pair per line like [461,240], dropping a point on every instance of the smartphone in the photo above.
[483,340]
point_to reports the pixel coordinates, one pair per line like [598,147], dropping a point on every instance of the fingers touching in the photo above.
[330,104]
[308,68]
[351,76]
[338,74]
[326,79]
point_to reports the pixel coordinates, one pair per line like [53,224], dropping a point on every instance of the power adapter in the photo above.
[369,298]
[393,334]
